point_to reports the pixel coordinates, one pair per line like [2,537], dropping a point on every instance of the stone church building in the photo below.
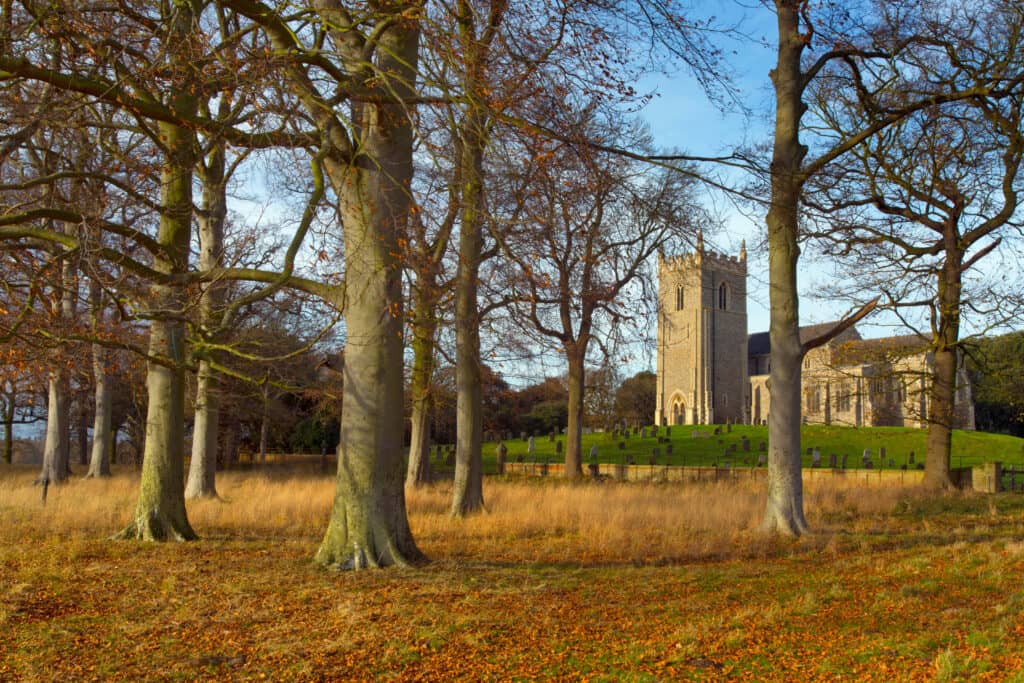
[711,371]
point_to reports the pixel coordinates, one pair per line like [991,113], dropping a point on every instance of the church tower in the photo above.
[702,338]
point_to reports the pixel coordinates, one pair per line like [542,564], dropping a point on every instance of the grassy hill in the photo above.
[969,448]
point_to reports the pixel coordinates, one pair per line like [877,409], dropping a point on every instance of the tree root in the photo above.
[152,526]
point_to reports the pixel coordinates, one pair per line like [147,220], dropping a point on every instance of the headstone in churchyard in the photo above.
[523,436]
[746,444]
[643,433]
[728,427]
[694,434]
[661,439]
[732,448]
[845,456]
[920,465]
[718,431]
[706,435]
[881,453]
[903,467]
[816,457]
[668,448]
[654,456]
[865,457]
[593,453]
[564,430]
[910,458]
[892,463]
[519,458]
[629,459]
[761,459]
[868,464]
[450,460]
[832,460]
[810,450]
[668,431]
[622,445]
[558,447]
[625,435]
[762,446]
[551,436]
[531,447]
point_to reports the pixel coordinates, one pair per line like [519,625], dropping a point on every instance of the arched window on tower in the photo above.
[679,298]
[723,296]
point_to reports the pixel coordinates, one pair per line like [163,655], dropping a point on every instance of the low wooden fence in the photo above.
[668,473]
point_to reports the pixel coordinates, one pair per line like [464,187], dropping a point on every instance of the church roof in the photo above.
[759,343]
[858,351]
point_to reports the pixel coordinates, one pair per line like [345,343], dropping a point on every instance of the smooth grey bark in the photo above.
[369,525]
[423,329]
[784,510]
[55,445]
[160,511]
[473,132]
[202,472]
[8,417]
[102,436]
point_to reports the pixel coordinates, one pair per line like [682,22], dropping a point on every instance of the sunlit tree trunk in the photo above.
[160,511]
[574,422]
[369,525]
[423,330]
[99,457]
[943,385]
[203,464]
[784,511]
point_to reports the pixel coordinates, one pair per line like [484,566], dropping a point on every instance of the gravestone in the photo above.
[762,446]
[558,447]
[865,457]
[731,448]
[762,459]
[531,447]
[593,453]
[845,456]
[450,460]
[694,434]
[622,445]
[668,431]
[746,444]
[654,457]
[636,430]
[816,457]
[629,459]
[910,458]
[522,435]
[728,427]
[832,460]
[643,433]
[718,431]
[810,450]
[551,437]
[668,448]
[892,463]
[661,439]
[881,453]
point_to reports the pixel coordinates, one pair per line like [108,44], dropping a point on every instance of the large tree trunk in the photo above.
[9,406]
[468,494]
[418,469]
[82,432]
[102,438]
[369,526]
[574,425]
[943,385]
[203,464]
[784,510]
[160,510]
[55,446]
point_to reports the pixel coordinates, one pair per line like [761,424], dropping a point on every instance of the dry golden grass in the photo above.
[525,520]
